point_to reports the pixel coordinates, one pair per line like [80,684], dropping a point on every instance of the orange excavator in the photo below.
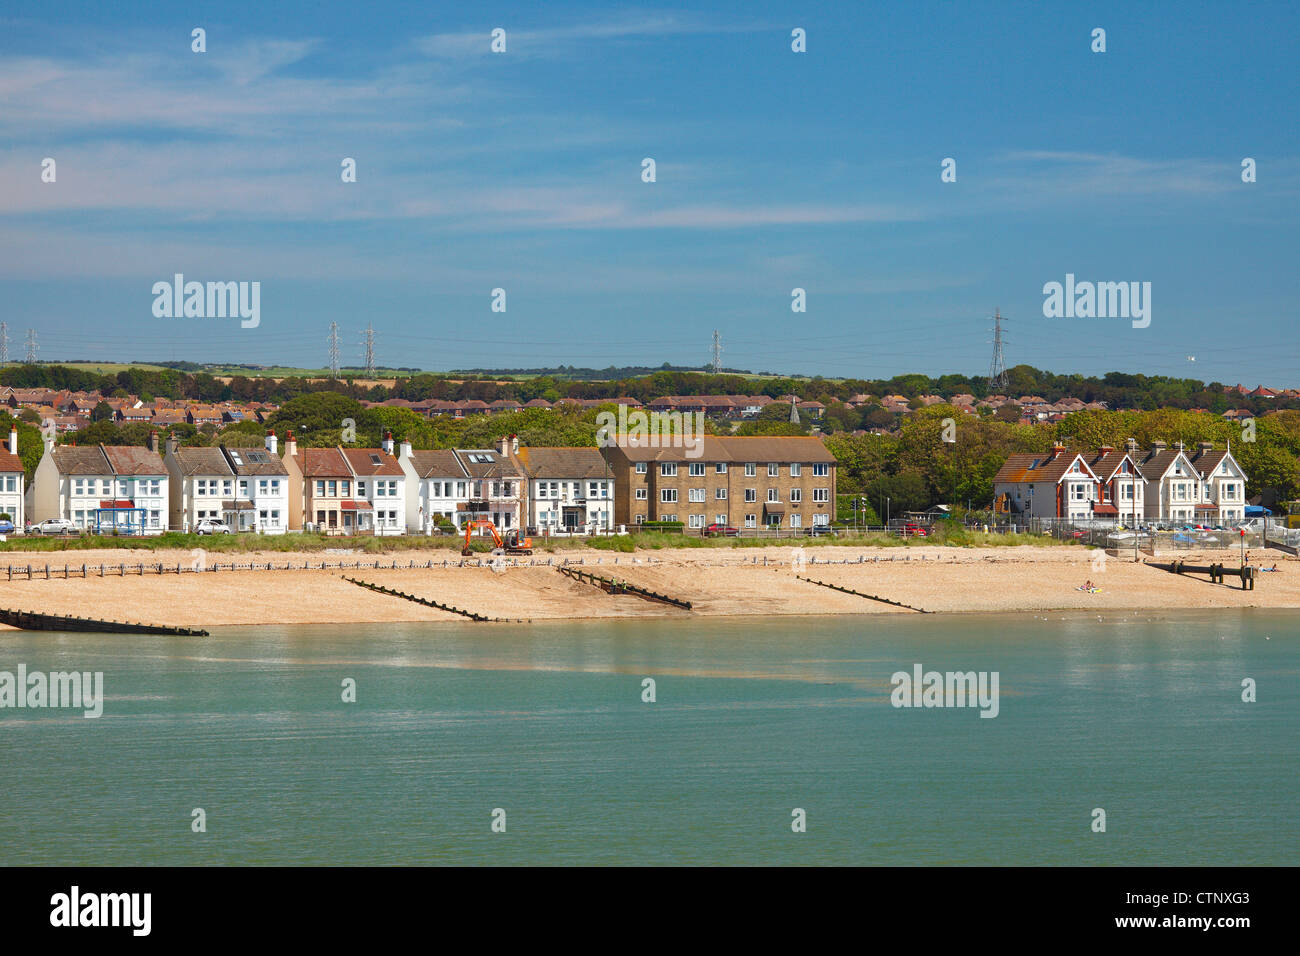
[511,544]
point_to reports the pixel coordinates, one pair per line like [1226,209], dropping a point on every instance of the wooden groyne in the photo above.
[1215,571]
[618,586]
[869,597]
[392,592]
[32,621]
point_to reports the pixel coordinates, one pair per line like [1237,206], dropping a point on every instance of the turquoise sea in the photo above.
[1138,714]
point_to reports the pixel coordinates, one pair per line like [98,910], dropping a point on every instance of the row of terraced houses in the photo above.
[759,482]
[1127,485]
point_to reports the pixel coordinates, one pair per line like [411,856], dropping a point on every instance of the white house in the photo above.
[261,488]
[202,485]
[1223,485]
[1120,485]
[1174,483]
[12,476]
[495,483]
[380,481]
[1056,485]
[570,490]
[436,487]
[103,488]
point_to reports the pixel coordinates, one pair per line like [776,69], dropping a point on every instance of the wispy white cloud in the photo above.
[559,41]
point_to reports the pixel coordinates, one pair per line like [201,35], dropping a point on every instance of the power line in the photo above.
[334,350]
[4,343]
[717,353]
[31,346]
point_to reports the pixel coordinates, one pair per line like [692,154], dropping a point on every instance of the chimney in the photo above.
[13,439]
[388,442]
[290,446]
[1157,447]
[272,443]
[1203,447]
[1132,445]
[1107,449]
[153,441]
[172,444]
[505,444]
[1057,449]
[404,449]
[514,444]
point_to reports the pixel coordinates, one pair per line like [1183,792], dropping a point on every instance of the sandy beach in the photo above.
[717,582]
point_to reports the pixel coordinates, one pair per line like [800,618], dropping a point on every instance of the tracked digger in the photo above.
[512,543]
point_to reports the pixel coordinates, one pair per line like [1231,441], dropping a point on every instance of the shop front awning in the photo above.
[117,504]
[1099,509]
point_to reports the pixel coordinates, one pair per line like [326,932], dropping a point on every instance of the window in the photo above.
[593,489]
[751,494]
[640,468]
[667,495]
[821,494]
[640,519]
[668,469]
[720,494]
[720,519]
[773,469]
[641,494]
[795,469]
[695,469]
[695,521]
[320,489]
[821,470]
[361,489]
[772,495]
[796,495]
[346,487]
[720,468]
[796,521]
[821,519]
[695,494]
[333,488]
[751,521]
[751,469]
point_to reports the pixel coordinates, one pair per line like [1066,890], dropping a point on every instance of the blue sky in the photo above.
[775,170]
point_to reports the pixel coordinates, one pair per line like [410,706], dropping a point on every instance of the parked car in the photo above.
[54,526]
[817,530]
[212,526]
[720,529]
[7,526]
[914,529]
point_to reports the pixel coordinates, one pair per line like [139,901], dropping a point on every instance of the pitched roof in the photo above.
[486,463]
[201,461]
[1036,466]
[366,462]
[1106,462]
[254,461]
[1156,463]
[563,462]
[324,463]
[9,462]
[439,463]
[134,460]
